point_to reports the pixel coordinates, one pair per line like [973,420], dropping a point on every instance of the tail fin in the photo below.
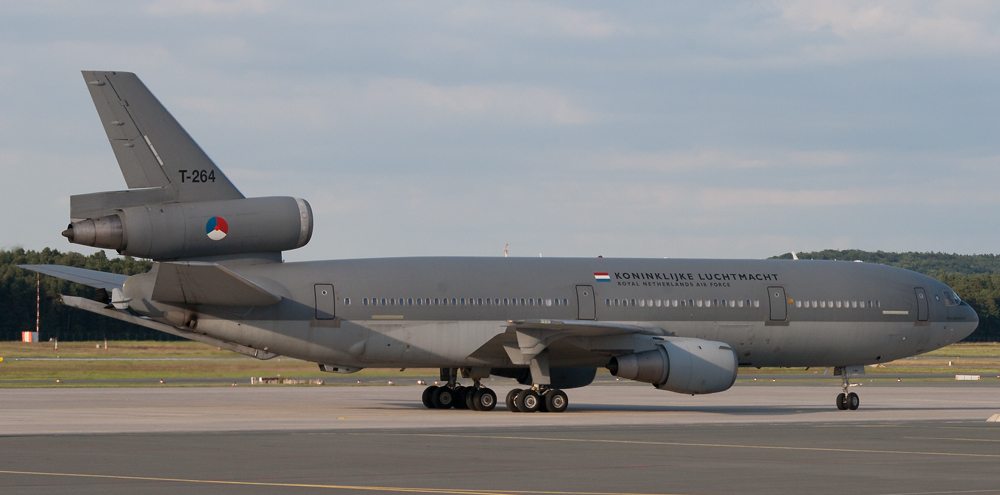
[152,149]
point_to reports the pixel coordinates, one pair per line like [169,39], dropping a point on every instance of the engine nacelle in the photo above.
[682,365]
[195,229]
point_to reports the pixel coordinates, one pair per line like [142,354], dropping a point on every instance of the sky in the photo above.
[622,129]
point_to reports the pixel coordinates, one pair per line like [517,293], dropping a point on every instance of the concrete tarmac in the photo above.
[614,439]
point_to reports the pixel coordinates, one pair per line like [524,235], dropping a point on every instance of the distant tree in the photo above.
[17,298]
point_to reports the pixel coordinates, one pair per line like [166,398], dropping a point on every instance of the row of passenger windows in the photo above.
[680,303]
[665,303]
[459,301]
[837,304]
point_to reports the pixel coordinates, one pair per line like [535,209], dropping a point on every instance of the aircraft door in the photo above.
[326,303]
[778,303]
[585,302]
[921,304]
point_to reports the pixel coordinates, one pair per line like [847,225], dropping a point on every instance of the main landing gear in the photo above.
[531,400]
[846,400]
[476,397]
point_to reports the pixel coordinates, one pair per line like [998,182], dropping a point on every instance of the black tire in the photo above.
[853,401]
[556,400]
[470,398]
[510,400]
[842,402]
[443,398]
[485,399]
[528,401]
[460,394]
[426,397]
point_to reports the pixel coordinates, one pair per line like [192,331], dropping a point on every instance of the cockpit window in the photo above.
[951,299]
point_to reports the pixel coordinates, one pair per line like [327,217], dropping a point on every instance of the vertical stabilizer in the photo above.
[152,149]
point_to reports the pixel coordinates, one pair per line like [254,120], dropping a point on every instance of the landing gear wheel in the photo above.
[426,397]
[842,402]
[443,398]
[485,399]
[470,398]
[556,400]
[528,401]
[460,394]
[510,400]
[853,401]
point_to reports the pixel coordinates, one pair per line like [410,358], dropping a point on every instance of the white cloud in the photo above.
[266,103]
[209,7]
[878,29]
[537,19]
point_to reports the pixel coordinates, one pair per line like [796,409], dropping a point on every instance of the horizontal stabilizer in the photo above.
[207,283]
[93,278]
[101,309]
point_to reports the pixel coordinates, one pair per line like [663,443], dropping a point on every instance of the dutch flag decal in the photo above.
[602,277]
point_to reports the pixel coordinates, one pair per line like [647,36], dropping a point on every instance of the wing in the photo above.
[534,336]
[93,278]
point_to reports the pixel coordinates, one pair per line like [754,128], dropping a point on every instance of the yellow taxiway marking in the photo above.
[456,491]
[690,444]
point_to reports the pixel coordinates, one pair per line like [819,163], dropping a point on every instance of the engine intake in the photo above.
[682,365]
[207,228]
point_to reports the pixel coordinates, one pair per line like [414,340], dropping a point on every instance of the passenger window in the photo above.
[364,302]
[674,303]
[347,301]
[659,303]
[838,303]
[607,302]
[616,302]
[642,302]
[418,301]
[756,303]
[633,303]
[700,303]
[682,303]
[565,302]
[798,304]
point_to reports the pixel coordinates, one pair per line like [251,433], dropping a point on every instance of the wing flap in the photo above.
[207,283]
[93,278]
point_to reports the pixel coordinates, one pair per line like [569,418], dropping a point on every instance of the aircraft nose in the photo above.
[969,313]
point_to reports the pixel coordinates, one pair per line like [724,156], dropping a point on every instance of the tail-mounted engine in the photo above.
[195,229]
[682,365]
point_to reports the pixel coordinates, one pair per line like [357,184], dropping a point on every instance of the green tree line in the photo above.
[17,298]
[975,278]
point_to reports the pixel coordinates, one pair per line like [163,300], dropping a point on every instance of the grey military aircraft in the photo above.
[682,325]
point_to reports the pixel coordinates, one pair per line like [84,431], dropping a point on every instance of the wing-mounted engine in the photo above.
[682,365]
[170,231]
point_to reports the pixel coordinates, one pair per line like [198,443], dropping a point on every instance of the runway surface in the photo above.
[614,439]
